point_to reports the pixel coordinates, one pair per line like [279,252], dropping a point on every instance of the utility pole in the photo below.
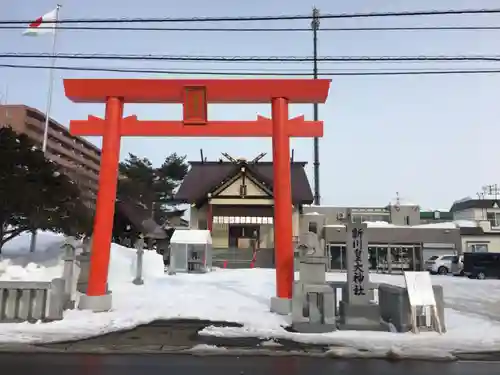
[315,27]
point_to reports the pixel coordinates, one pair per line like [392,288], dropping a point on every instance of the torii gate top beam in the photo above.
[244,91]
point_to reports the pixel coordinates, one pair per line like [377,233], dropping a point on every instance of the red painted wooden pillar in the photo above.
[106,196]
[283,246]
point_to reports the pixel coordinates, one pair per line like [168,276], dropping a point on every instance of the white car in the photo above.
[457,266]
[439,264]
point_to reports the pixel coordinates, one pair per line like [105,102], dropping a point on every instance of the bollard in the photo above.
[139,245]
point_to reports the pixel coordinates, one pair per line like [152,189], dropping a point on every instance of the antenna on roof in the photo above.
[258,157]
[293,154]
[201,155]
[492,190]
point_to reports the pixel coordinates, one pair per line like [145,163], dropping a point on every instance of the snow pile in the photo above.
[243,296]
[123,264]
[45,264]
[450,224]
[31,272]
[20,245]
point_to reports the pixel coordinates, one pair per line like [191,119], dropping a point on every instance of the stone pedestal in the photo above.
[360,317]
[96,303]
[313,309]
[281,306]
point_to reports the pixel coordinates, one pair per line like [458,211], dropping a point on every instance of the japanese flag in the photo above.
[43,25]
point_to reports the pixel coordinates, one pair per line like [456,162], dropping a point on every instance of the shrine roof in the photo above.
[205,177]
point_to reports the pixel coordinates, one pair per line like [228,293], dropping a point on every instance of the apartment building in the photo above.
[480,223]
[77,158]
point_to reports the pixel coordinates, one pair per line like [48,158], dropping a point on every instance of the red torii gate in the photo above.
[194,96]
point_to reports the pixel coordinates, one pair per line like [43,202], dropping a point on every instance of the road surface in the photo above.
[124,364]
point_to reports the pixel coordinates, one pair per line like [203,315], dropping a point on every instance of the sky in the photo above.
[433,139]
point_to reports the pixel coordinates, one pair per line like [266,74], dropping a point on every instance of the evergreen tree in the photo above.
[34,194]
[152,187]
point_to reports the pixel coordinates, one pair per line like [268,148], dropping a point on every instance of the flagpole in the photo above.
[51,83]
[47,109]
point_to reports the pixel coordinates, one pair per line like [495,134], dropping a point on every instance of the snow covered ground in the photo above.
[17,263]
[472,310]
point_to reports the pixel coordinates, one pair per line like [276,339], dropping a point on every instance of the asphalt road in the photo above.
[83,364]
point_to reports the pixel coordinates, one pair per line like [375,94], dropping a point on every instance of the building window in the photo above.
[493,218]
[313,227]
[477,247]
[357,218]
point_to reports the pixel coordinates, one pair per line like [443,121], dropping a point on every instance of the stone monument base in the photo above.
[360,317]
[306,327]
[281,306]
[96,303]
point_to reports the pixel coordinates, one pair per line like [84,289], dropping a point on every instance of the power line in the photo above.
[268,18]
[256,73]
[275,29]
[231,59]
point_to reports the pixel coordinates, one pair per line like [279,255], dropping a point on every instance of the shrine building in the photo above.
[233,198]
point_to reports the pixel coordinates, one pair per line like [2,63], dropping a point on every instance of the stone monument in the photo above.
[356,309]
[313,300]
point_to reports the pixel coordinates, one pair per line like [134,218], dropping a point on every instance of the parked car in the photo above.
[482,265]
[457,265]
[439,264]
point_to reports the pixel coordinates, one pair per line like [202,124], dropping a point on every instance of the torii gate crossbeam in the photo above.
[194,96]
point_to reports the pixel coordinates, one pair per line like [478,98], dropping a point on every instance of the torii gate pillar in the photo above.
[195,96]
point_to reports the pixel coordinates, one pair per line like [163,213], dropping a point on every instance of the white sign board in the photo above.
[419,286]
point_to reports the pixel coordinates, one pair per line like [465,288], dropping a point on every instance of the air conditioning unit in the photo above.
[341,216]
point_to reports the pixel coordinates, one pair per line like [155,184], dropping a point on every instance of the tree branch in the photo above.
[11,234]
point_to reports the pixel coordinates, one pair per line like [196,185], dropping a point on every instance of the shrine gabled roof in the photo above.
[206,177]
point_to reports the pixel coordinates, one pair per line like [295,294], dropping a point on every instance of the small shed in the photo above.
[190,251]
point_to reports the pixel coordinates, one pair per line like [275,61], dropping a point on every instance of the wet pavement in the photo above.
[181,336]
[174,335]
[128,364]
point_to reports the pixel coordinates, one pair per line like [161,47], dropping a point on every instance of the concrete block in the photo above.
[96,303]
[56,299]
[360,317]
[395,306]
[313,327]
[281,306]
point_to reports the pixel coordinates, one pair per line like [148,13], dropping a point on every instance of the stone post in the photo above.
[139,245]
[69,258]
[83,261]
[356,310]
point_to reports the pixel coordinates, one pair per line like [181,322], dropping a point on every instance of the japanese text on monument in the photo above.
[358,271]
